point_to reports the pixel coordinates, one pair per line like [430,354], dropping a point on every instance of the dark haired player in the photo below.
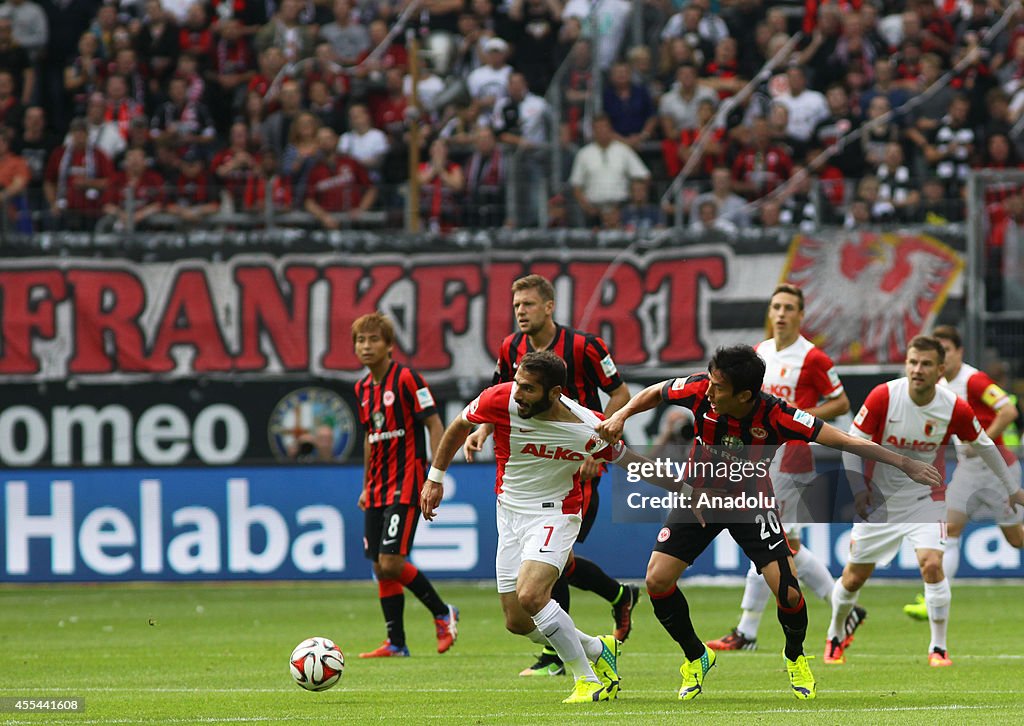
[589,369]
[540,438]
[739,425]
[397,409]
[801,374]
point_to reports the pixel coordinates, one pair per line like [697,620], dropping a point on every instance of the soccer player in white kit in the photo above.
[916,417]
[803,375]
[973,492]
[540,439]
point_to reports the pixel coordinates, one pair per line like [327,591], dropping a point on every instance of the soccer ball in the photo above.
[317,664]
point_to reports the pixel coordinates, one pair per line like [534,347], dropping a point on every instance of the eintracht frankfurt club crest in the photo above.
[312,416]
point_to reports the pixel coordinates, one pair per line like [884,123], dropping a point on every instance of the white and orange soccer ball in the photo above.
[316,664]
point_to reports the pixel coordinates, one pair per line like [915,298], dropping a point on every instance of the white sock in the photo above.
[592,645]
[537,637]
[556,625]
[756,594]
[937,597]
[951,557]
[813,571]
[842,603]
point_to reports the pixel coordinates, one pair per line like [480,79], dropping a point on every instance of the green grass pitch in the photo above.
[217,654]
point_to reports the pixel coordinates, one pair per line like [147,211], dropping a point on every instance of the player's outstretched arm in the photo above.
[433,487]
[647,470]
[475,441]
[985,448]
[611,428]
[919,471]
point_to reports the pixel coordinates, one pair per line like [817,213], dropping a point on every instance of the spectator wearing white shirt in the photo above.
[488,84]
[363,142]
[806,107]
[349,40]
[603,169]
[520,118]
[103,135]
[30,26]
[678,105]
[609,24]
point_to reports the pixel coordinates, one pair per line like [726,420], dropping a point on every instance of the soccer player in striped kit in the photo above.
[397,410]
[739,426]
[803,375]
[590,369]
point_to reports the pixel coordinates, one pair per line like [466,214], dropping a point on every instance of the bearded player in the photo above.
[589,369]
[540,438]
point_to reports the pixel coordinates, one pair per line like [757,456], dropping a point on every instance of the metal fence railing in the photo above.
[995,268]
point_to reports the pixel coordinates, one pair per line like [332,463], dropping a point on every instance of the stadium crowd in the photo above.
[164,112]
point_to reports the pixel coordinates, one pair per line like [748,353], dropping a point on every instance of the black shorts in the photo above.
[590,502]
[758,532]
[389,530]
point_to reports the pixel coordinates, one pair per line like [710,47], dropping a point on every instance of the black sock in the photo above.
[794,625]
[421,587]
[394,609]
[560,592]
[673,612]
[587,575]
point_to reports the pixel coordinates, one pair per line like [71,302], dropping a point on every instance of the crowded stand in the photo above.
[716,115]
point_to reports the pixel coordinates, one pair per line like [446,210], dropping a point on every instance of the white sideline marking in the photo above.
[613,713]
[524,689]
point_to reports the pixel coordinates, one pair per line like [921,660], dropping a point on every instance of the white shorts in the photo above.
[539,537]
[793,492]
[975,491]
[878,544]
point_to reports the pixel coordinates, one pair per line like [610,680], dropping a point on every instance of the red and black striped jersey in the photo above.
[589,365]
[754,439]
[393,412]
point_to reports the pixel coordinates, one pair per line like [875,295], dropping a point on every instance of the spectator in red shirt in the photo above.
[193,196]
[235,165]
[723,72]
[255,196]
[441,182]
[76,177]
[760,166]
[337,184]
[195,35]
[121,108]
[144,187]
[388,108]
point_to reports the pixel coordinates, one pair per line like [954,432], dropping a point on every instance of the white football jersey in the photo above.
[890,418]
[538,460]
[802,375]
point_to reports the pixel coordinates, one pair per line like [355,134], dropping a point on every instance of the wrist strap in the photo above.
[436,475]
